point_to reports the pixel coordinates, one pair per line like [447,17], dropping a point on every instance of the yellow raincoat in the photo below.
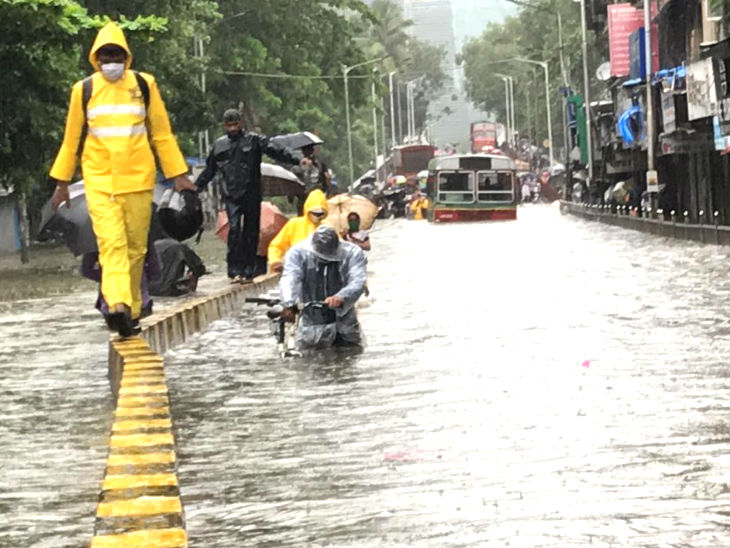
[418,206]
[118,167]
[296,229]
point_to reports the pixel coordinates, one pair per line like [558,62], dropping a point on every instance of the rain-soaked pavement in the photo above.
[549,382]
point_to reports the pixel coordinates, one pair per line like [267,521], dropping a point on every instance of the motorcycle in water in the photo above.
[286,334]
[392,203]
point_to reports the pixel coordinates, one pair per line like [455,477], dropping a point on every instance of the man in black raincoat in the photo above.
[237,155]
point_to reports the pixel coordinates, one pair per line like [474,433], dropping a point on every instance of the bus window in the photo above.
[494,186]
[456,186]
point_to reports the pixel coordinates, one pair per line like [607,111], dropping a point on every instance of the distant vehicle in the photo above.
[483,134]
[472,187]
[408,160]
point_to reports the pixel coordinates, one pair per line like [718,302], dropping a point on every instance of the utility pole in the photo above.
[587,91]
[652,180]
[375,121]
[393,139]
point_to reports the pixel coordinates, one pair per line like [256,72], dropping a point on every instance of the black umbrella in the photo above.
[71,224]
[297,140]
[277,181]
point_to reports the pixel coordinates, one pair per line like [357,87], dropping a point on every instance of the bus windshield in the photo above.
[456,186]
[494,186]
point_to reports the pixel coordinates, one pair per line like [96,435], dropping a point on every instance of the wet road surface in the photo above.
[544,383]
[549,382]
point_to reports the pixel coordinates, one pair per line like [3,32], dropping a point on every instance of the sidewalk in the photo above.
[54,271]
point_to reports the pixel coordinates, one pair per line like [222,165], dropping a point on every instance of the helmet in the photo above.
[325,243]
[180,214]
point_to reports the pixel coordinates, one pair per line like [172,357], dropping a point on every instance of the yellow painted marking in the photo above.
[142,506]
[159,538]
[147,366]
[141,440]
[130,481]
[143,389]
[143,412]
[144,374]
[141,381]
[122,426]
[140,401]
[163,457]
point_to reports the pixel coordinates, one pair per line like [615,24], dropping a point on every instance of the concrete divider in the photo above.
[704,233]
[140,504]
[170,327]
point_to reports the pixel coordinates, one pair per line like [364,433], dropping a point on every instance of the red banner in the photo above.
[623,20]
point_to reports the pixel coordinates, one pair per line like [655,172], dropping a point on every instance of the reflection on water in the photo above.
[547,382]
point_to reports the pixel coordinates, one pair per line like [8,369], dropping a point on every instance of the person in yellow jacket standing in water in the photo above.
[116,118]
[298,229]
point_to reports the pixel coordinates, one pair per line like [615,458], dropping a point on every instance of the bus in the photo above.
[408,160]
[472,187]
[483,134]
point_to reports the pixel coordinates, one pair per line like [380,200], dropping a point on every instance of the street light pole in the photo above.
[545,68]
[652,182]
[587,90]
[393,140]
[375,122]
[512,109]
[345,71]
[507,103]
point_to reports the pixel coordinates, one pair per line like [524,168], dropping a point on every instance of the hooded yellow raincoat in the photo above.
[118,167]
[298,228]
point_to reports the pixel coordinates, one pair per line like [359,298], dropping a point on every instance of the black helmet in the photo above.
[325,243]
[180,214]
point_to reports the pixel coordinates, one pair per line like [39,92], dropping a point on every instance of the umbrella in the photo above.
[343,204]
[297,140]
[71,224]
[277,181]
[272,220]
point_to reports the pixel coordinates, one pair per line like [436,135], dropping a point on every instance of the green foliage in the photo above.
[517,37]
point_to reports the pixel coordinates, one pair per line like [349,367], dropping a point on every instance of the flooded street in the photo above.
[549,382]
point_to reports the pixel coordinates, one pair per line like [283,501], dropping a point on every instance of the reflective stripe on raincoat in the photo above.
[117,157]
[298,228]
[307,278]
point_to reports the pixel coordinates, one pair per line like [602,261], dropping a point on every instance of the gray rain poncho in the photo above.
[308,278]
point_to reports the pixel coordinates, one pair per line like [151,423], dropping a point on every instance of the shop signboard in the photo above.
[701,90]
[669,113]
[623,20]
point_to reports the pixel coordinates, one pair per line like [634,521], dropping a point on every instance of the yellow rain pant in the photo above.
[121,224]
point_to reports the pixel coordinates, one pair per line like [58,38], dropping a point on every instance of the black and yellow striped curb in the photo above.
[174,326]
[140,505]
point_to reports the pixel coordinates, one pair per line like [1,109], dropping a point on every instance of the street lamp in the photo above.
[345,71]
[508,103]
[545,68]
[392,110]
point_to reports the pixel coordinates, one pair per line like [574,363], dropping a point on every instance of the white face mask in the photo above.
[112,71]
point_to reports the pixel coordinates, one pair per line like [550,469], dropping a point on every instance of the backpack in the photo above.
[88,86]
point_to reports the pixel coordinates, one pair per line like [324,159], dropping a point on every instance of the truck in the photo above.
[483,134]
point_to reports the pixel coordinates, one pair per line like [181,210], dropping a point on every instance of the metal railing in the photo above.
[674,224]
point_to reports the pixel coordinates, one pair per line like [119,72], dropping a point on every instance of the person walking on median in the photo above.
[237,155]
[116,118]
[298,228]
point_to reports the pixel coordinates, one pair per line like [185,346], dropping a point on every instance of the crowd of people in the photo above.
[117,126]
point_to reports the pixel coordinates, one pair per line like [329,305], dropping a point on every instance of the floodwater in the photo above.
[549,382]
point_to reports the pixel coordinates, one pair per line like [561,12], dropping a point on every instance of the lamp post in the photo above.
[375,121]
[652,182]
[345,71]
[392,110]
[587,90]
[507,104]
[546,70]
